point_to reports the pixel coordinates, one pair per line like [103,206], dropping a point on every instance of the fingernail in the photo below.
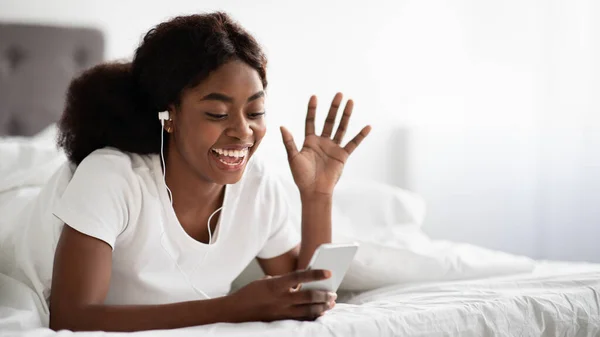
[333,296]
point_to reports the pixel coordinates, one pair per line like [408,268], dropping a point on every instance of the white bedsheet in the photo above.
[557,299]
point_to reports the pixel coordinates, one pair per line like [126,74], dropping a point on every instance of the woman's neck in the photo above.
[192,195]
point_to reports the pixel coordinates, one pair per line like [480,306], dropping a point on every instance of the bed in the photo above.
[401,284]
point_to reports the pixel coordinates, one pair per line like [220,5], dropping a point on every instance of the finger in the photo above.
[288,142]
[330,120]
[290,280]
[341,130]
[310,116]
[313,296]
[355,142]
[310,311]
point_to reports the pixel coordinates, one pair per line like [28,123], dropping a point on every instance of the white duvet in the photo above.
[385,221]
[554,300]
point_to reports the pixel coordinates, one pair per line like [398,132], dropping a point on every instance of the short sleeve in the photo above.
[283,236]
[97,198]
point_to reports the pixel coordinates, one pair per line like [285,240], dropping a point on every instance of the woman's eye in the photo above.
[216,116]
[256,114]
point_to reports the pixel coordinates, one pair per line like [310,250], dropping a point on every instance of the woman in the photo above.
[142,242]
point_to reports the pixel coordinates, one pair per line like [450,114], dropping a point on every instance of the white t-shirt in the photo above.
[121,199]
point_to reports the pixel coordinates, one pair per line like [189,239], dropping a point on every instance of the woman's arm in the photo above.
[81,278]
[316,169]
[316,225]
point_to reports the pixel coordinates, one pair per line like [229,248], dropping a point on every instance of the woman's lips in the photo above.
[226,163]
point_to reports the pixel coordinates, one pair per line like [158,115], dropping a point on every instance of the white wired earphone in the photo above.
[164,116]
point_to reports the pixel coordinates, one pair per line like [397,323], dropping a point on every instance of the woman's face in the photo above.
[220,123]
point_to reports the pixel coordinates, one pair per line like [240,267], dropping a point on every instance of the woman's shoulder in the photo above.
[107,173]
[108,159]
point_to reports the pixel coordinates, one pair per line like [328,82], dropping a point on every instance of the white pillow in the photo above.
[379,205]
[407,255]
[29,161]
[385,221]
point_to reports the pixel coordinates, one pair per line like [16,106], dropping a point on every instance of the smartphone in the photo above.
[335,257]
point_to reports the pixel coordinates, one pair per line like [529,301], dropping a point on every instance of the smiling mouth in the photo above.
[231,158]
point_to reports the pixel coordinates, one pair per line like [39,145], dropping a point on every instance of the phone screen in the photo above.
[335,258]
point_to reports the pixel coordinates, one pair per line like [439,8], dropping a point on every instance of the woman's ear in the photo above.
[172,112]
[170,123]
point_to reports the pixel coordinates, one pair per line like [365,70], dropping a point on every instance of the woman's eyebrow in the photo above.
[256,96]
[215,96]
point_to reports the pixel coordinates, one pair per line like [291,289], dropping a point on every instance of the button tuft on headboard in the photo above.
[14,128]
[82,57]
[15,56]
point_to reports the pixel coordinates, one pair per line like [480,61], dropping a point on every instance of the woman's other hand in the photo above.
[279,297]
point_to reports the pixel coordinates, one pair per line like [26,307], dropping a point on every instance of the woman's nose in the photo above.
[240,129]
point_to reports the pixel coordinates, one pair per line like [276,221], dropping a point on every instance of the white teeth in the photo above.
[231,164]
[232,153]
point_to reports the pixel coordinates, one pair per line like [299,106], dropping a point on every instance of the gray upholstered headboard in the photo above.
[37,64]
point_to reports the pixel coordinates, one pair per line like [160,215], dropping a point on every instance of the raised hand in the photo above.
[318,166]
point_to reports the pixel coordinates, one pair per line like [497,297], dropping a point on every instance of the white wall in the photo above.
[500,98]
[569,193]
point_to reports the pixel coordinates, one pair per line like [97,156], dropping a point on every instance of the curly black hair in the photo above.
[116,104]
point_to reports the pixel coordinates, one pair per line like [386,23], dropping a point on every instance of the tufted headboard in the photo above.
[37,64]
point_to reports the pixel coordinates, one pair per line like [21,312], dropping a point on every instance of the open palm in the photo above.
[317,167]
